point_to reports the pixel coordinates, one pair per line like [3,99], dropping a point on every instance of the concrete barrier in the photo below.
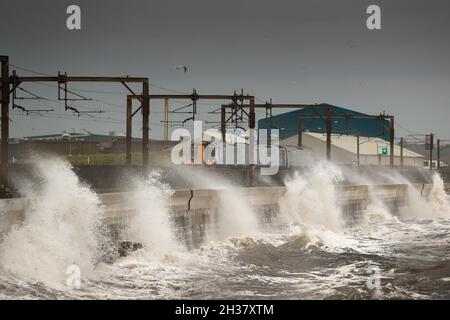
[193,209]
[424,189]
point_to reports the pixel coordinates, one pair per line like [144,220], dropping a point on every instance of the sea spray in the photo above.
[311,198]
[235,217]
[150,224]
[60,227]
[296,265]
[438,199]
[422,201]
[376,211]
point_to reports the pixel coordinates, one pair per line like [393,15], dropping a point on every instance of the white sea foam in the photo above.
[150,223]
[60,227]
[311,198]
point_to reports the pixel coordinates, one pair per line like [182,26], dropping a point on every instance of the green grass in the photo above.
[156,158]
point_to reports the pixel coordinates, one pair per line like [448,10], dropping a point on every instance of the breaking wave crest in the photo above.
[60,227]
[150,224]
[308,252]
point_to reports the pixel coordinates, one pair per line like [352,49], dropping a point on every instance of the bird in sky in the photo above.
[184,68]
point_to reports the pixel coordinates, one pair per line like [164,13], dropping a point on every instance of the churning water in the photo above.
[308,253]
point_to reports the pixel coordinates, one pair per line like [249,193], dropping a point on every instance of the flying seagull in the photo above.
[181,68]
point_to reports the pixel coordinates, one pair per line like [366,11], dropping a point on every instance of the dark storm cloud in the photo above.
[291,51]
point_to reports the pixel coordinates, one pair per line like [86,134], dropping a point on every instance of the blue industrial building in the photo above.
[287,123]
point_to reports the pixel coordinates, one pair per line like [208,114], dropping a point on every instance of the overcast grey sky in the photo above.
[288,50]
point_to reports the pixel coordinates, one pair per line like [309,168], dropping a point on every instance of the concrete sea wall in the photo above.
[193,211]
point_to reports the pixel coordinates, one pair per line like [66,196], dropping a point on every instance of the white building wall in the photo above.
[343,150]
[319,149]
[385,161]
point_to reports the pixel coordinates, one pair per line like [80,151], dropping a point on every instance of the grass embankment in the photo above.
[156,158]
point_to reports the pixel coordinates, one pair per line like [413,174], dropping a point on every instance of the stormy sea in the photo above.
[307,252]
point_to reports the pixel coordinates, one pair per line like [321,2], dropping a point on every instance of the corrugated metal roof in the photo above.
[367,145]
[287,123]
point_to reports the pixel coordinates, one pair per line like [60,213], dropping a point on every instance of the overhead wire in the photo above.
[109,103]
